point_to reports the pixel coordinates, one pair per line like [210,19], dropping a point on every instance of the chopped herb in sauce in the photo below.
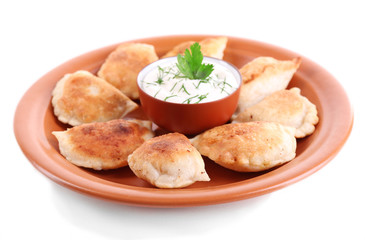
[168,83]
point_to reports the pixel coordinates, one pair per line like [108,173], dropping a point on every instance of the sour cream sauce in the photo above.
[166,83]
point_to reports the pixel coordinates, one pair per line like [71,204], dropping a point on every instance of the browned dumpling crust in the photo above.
[122,66]
[168,161]
[105,145]
[248,147]
[287,107]
[210,47]
[178,49]
[264,76]
[81,97]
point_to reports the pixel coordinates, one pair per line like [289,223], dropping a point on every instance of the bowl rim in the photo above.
[151,65]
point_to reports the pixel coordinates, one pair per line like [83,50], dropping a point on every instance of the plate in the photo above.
[34,121]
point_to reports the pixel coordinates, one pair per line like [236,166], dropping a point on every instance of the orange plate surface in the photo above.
[34,121]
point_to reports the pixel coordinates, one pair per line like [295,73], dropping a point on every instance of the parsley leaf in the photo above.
[191,64]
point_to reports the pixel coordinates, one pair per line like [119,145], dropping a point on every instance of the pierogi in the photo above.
[81,97]
[168,161]
[248,147]
[122,66]
[262,77]
[103,145]
[287,107]
[210,47]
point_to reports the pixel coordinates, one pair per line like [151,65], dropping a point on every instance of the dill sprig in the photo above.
[169,97]
[189,99]
[157,93]
[201,97]
[223,88]
[184,89]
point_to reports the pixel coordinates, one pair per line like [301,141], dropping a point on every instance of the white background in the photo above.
[37,36]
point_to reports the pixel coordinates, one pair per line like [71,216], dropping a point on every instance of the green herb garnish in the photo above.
[189,99]
[169,97]
[184,89]
[201,97]
[159,81]
[160,76]
[156,93]
[191,64]
[224,86]
[173,87]
[202,81]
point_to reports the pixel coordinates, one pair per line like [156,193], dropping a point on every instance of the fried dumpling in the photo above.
[287,107]
[248,147]
[168,161]
[210,47]
[122,66]
[264,76]
[103,145]
[178,49]
[81,97]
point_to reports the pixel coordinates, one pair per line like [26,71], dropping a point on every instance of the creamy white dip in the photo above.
[165,82]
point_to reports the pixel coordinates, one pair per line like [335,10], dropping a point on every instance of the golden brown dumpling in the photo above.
[248,147]
[103,145]
[178,49]
[168,161]
[287,107]
[81,97]
[122,66]
[210,47]
[264,76]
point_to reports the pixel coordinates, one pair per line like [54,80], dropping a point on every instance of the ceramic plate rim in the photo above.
[35,146]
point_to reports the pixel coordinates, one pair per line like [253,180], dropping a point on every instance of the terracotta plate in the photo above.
[34,121]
